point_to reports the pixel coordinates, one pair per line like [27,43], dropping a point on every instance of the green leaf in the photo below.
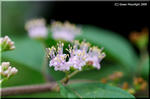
[95,90]
[66,92]
[115,46]
[28,52]
[105,71]
[37,95]
[95,74]
[57,75]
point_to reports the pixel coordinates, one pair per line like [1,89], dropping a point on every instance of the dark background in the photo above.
[122,20]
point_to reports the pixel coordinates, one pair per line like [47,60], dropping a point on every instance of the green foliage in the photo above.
[25,76]
[15,14]
[115,46]
[12,13]
[28,52]
[93,90]
[28,59]
[57,75]
[29,55]
[35,95]
[66,92]
[142,42]
[105,71]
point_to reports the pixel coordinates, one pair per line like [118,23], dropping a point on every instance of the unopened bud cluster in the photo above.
[140,38]
[80,55]
[139,83]
[37,28]
[6,70]
[6,43]
[113,77]
[129,89]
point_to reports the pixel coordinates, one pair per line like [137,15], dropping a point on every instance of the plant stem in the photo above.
[65,80]
[143,56]
[28,89]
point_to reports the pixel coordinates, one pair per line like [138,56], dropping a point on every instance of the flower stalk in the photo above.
[66,79]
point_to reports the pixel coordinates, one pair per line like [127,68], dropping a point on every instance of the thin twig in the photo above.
[28,89]
[34,88]
[69,76]
[44,66]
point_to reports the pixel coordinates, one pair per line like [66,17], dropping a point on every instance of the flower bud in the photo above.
[6,70]
[104,80]
[131,91]
[125,85]
[5,65]
[13,70]
[6,43]
[143,85]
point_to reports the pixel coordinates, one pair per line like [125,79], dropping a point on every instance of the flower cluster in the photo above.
[64,31]
[116,75]
[80,55]
[6,70]
[60,31]
[140,83]
[140,39]
[37,28]
[6,43]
